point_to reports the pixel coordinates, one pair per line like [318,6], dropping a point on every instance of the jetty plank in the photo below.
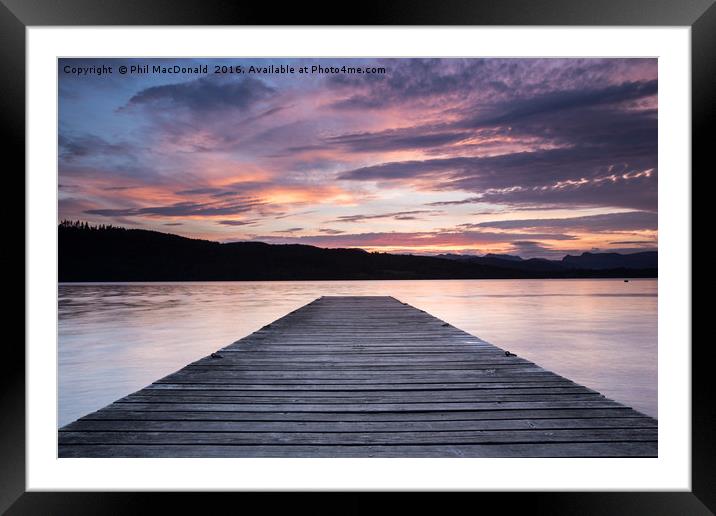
[361,376]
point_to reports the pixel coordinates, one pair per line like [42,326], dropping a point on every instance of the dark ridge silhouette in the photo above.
[110,253]
[512,263]
[510,257]
[585,261]
[644,260]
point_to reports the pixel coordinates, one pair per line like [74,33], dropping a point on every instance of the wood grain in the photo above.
[361,377]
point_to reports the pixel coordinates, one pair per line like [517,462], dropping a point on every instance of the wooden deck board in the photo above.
[361,377]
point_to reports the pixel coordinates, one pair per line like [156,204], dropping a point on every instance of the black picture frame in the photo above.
[17,15]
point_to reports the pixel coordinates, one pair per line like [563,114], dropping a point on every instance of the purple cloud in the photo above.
[210,93]
[610,222]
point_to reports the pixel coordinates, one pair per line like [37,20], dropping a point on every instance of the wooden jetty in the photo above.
[361,377]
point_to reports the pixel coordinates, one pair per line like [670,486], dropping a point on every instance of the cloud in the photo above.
[506,135]
[118,188]
[106,170]
[211,93]
[406,239]
[556,101]
[88,145]
[415,80]
[633,242]
[503,171]
[610,222]
[535,249]
[399,215]
[438,82]
[181,209]
[293,214]
[236,222]
[638,192]
[397,139]
[496,119]
[468,200]
[200,191]
[68,188]
[576,175]
[575,134]
[228,193]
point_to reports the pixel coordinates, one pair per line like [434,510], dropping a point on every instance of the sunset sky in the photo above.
[535,157]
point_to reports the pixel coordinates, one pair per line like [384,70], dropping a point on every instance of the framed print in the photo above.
[437,250]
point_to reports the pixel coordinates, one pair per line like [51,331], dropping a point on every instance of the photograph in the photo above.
[434,249]
[357,257]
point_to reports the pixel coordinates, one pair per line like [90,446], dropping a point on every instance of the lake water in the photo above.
[117,338]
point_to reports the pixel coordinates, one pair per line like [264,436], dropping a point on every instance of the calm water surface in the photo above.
[117,338]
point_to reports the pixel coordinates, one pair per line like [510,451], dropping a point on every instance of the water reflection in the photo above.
[116,338]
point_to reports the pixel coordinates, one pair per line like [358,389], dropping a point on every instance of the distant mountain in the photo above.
[510,257]
[118,254]
[585,261]
[513,262]
[598,261]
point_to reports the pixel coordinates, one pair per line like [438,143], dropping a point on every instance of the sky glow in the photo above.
[536,157]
